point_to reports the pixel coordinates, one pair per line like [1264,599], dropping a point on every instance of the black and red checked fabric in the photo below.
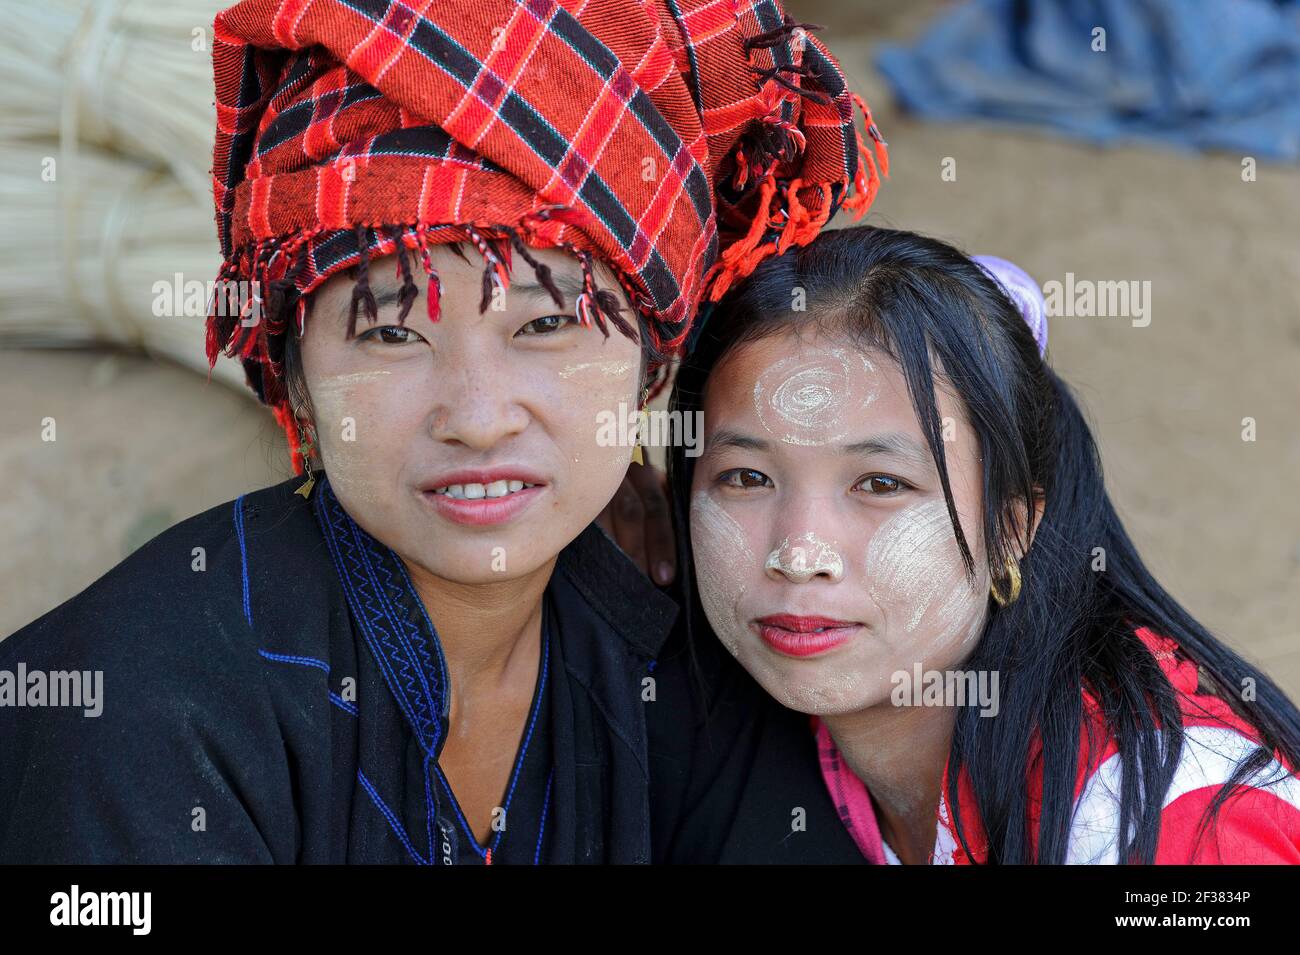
[679,141]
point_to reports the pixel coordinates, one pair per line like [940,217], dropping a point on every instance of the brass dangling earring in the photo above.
[305,449]
[1013,575]
[637,455]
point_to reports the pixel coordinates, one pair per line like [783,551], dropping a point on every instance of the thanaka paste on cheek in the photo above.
[350,464]
[616,403]
[918,581]
[723,559]
[814,399]
[610,369]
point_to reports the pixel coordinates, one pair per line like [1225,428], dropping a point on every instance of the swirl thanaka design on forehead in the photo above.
[814,398]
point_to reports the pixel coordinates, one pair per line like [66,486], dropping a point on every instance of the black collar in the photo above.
[611,584]
[404,642]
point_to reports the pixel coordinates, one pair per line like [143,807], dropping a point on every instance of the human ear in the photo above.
[1015,521]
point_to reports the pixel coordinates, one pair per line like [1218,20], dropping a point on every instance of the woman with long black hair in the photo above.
[899,526]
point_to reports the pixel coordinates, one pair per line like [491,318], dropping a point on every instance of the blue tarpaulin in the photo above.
[1201,74]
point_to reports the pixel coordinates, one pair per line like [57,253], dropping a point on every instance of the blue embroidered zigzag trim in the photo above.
[392,619]
[405,646]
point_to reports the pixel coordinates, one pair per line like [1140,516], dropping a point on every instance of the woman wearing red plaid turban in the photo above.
[429,654]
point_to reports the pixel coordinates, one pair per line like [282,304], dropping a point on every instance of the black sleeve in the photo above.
[178,757]
[738,780]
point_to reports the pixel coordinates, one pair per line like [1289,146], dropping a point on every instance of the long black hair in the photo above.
[928,306]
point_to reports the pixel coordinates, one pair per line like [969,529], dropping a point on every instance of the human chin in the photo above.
[485,523]
[817,662]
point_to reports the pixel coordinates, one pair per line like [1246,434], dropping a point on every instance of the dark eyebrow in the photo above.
[726,438]
[388,293]
[895,444]
[570,287]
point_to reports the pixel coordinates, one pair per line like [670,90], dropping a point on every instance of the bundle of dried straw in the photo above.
[129,262]
[106,119]
[132,76]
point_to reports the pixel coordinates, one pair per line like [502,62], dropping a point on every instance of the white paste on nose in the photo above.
[813,399]
[723,558]
[805,557]
[916,575]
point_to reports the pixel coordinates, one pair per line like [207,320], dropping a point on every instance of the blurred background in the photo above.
[1163,149]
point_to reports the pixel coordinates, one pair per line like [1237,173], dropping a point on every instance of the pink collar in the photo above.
[850,796]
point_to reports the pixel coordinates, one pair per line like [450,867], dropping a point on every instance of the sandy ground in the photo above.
[141,445]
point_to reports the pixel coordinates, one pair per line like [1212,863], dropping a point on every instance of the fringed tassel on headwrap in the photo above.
[361,293]
[284,416]
[594,305]
[778,206]
[867,179]
[221,321]
[409,293]
[433,296]
[798,225]
[777,36]
[779,139]
[607,303]
[588,312]
[540,269]
[734,260]
[495,269]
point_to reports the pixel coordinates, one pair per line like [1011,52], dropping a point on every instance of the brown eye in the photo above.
[745,477]
[881,484]
[546,325]
[390,335]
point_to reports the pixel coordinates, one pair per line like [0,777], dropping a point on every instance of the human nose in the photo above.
[803,557]
[479,405]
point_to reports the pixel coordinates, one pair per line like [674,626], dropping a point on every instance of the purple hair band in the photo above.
[1022,290]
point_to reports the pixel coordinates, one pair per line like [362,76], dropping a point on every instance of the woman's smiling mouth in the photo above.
[474,492]
[477,498]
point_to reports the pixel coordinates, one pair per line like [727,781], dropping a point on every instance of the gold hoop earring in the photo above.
[1013,575]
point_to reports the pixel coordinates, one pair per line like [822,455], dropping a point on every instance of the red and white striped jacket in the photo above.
[1258,824]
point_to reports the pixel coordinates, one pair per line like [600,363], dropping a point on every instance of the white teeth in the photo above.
[475,492]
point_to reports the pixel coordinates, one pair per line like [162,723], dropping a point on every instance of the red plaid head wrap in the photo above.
[679,141]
